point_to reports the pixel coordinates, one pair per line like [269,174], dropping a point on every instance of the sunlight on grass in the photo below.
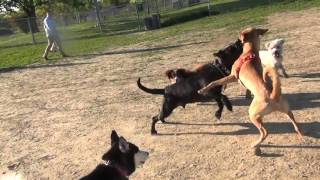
[81,39]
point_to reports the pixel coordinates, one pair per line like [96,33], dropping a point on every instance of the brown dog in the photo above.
[248,69]
[176,75]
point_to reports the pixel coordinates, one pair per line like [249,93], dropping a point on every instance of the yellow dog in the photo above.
[248,69]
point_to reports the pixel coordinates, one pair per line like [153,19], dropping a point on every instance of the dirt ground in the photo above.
[56,120]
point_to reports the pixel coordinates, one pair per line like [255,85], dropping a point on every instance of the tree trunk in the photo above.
[31,12]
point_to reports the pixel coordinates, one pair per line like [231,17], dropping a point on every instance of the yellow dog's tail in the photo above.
[276,84]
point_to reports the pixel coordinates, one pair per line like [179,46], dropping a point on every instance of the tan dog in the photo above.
[248,70]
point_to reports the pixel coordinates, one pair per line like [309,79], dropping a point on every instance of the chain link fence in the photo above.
[122,19]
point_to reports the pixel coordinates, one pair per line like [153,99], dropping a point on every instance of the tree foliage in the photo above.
[28,6]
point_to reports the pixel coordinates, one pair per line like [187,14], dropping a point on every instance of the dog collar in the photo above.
[245,59]
[217,63]
[118,168]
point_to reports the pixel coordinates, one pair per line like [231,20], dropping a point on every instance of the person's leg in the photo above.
[53,48]
[50,43]
[59,46]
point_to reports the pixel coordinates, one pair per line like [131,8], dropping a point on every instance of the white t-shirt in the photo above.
[49,26]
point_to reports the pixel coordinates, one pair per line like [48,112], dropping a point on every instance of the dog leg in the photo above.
[284,107]
[283,71]
[220,82]
[295,125]
[263,132]
[165,111]
[226,102]
[168,105]
[220,106]
[155,119]
[256,119]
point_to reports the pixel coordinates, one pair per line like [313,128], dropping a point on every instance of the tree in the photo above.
[27,6]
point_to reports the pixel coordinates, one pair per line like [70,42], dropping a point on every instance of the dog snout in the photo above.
[145,153]
[277,53]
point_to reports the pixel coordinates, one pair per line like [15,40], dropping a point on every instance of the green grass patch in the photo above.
[83,39]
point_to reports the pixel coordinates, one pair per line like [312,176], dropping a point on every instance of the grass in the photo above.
[81,39]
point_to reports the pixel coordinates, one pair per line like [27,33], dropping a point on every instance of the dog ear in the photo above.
[281,41]
[123,145]
[261,31]
[114,137]
[168,73]
[243,37]
[244,34]
[267,45]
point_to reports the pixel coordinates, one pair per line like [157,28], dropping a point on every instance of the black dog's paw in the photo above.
[154,132]
[218,115]
[257,151]
[155,119]
[163,121]
[229,106]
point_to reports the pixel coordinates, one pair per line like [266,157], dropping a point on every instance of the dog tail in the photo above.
[148,90]
[276,84]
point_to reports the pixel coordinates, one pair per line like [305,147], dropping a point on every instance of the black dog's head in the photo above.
[230,54]
[124,155]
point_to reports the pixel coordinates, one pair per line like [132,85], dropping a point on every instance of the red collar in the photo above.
[245,59]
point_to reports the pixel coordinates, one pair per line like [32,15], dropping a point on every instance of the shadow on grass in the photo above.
[10,69]
[127,51]
[309,129]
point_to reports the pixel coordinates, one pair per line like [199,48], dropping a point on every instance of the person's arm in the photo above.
[45,23]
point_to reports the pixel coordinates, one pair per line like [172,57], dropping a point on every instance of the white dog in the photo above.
[273,55]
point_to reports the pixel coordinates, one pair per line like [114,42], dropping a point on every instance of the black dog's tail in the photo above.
[147,90]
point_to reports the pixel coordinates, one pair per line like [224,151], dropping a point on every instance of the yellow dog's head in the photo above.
[252,35]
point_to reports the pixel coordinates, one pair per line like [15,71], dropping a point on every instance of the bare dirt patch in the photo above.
[56,120]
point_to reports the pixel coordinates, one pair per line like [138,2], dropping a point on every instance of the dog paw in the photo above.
[154,132]
[218,115]
[163,121]
[257,151]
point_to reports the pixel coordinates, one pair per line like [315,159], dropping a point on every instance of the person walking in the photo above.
[52,36]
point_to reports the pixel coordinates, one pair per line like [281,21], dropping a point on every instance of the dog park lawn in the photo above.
[83,40]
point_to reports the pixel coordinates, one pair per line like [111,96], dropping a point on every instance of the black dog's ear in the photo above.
[114,137]
[169,73]
[238,42]
[123,145]
[218,54]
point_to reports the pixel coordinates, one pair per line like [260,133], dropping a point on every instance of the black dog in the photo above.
[185,90]
[119,162]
